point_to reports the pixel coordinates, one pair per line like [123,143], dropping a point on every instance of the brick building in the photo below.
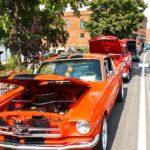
[141,33]
[78,37]
[148,36]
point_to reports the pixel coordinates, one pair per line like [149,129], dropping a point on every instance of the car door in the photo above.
[113,82]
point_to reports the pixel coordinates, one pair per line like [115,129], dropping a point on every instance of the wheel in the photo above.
[120,96]
[102,144]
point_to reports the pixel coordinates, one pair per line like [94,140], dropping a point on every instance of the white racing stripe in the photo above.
[142,116]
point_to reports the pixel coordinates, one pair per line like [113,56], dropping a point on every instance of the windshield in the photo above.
[85,69]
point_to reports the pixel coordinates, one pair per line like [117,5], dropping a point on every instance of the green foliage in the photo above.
[115,17]
[83,49]
[23,25]
[29,71]
[11,63]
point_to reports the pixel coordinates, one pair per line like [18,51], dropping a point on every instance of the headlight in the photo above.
[123,64]
[83,127]
[7,87]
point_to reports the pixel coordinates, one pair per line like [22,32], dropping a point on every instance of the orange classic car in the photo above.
[64,106]
[112,45]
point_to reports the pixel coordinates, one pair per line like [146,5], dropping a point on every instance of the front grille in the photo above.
[17,140]
[30,132]
[37,127]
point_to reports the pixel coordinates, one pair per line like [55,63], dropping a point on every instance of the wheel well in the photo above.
[106,114]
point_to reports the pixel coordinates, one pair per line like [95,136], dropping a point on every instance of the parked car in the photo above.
[134,47]
[146,46]
[116,48]
[64,106]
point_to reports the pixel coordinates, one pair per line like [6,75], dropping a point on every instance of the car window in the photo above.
[131,46]
[84,69]
[108,66]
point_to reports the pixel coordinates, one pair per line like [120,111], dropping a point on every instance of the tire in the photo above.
[120,96]
[103,141]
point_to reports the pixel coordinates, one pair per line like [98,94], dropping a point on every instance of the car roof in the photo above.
[78,56]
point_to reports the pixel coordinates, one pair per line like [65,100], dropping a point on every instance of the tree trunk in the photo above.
[13,39]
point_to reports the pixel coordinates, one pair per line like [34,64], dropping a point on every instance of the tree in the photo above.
[24,27]
[115,17]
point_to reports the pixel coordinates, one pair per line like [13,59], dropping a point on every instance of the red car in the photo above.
[116,48]
[64,106]
[134,47]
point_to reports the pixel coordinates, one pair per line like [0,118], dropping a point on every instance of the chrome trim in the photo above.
[31,135]
[71,145]
[125,75]
[33,128]
[43,129]
[29,132]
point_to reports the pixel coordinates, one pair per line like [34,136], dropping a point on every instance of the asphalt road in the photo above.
[129,122]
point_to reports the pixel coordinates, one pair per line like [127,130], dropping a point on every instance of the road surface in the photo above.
[129,123]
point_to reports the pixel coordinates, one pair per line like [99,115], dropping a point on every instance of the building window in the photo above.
[82,23]
[81,35]
[67,23]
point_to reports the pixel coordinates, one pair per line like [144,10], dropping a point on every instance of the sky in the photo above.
[147,13]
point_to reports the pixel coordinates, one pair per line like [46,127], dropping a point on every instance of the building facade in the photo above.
[148,36]
[141,33]
[78,37]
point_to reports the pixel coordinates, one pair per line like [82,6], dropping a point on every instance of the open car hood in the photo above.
[30,80]
[131,45]
[105,44]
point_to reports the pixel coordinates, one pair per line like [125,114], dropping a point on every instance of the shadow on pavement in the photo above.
[136,70]
[114,120]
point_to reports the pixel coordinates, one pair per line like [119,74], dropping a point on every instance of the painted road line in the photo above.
[143,65]
[142,116]
[148,94]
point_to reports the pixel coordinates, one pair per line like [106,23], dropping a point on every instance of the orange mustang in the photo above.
[64,106]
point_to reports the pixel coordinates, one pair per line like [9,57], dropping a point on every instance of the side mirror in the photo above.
[111,72]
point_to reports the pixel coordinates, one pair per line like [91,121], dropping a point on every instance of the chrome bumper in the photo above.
[82,145]
[125,75]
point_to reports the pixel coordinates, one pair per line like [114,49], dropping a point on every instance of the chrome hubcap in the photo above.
[104,134]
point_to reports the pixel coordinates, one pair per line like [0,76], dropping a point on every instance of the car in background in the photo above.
[64,106]
[134,47]
[146,47]
[116,48]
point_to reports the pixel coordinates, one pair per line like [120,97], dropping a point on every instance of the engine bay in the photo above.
[56,99]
